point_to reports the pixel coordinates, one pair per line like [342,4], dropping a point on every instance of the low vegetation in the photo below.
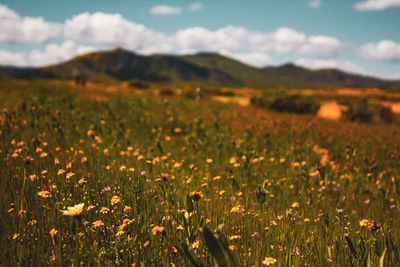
[284,102]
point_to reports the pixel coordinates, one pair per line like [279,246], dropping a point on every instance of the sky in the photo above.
[359,36]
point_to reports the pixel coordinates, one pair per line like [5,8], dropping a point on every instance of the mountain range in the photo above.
[120,64]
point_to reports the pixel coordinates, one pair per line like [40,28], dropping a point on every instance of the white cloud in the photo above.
[14,28]
[330,63]
[195,7]
[51,54]
[12,59]
[395,76]
[376,4]
[165,10]
[112,30]
[54,53]
[385,50]
[314,3]
[283,41]
[321,46]
[255,59]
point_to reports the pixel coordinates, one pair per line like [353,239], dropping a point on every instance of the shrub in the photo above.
[288,103]
[363,111]
[139,85]
[166,92]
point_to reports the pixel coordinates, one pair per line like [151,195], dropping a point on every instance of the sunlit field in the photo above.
[138,179]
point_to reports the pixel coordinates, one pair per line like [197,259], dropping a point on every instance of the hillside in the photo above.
[121,64]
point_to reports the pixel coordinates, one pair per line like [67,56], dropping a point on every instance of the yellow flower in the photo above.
[115,200]
[98,223]
[370,224]
[104,210]
[269,261]
[234,237]
[196,244]
[119,233]
[44,194]
[180,227]
[295,205]
[74,211]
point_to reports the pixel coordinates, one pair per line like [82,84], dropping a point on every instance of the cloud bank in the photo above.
[16,29]
[98,31]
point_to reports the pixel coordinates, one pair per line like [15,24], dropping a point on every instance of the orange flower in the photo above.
[74,211]
[127,209]
[197,195]
[81,181]
[44,194]
[53,232]
[269,261]
[157,229]
[370,224]
[98,223]
[69,175]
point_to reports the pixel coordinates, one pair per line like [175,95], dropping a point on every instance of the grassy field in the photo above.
[130,179]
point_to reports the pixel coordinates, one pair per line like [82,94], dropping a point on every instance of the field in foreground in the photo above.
[161,181]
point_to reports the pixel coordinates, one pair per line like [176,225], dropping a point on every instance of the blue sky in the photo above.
[359,36]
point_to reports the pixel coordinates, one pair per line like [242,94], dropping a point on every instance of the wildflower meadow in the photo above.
[145,180]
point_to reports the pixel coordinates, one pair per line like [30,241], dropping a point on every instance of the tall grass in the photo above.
[174,181]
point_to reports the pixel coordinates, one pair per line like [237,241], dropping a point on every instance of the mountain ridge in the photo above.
[121,64]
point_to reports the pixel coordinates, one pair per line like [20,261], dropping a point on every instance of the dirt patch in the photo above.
[243,101]
[330,110]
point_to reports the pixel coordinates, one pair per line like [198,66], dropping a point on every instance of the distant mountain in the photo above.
[120,64]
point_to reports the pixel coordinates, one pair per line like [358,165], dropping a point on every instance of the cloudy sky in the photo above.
[360,36]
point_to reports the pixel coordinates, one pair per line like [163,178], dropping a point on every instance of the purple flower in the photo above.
[143,173]
[105,189]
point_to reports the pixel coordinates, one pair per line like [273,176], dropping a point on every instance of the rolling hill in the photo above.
[120,64]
